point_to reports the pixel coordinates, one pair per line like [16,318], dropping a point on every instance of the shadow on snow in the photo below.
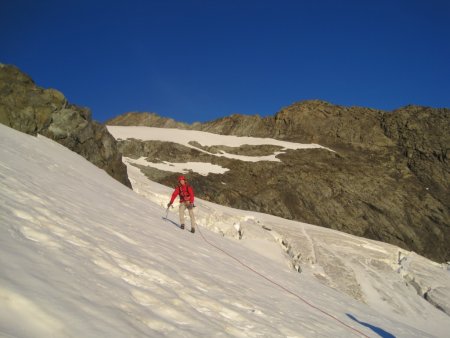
[375,329]
[174,223]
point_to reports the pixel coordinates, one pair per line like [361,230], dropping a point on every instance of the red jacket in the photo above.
[186,194]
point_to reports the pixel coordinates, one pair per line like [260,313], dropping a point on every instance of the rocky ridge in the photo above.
[146,119]
[34,110]
[388,178]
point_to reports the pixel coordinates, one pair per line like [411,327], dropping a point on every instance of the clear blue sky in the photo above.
[198,60]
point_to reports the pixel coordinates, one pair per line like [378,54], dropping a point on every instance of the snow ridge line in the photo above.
[282,287]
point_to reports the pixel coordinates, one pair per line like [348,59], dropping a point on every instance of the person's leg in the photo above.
[181,213]
[191,215]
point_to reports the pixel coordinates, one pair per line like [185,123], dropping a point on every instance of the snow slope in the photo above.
[386,277]
[389,279]
[83,256]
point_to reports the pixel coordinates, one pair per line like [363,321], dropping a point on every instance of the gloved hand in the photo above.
[189,205]
[169,204]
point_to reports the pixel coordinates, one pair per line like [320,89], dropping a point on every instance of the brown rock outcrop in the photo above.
[34,110]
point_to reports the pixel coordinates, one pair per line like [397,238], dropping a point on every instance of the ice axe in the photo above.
[167,210]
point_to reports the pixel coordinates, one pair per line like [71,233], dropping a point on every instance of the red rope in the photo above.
[282,287]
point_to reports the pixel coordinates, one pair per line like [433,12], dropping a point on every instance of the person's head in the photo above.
[182,180]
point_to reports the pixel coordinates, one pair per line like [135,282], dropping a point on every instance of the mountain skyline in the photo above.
[198,61]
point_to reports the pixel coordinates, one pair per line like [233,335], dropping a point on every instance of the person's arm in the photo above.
[174,195]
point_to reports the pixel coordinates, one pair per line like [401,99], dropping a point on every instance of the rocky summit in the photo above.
[34,110]
[387,179]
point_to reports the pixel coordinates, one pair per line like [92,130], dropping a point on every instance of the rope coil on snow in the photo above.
[282,287]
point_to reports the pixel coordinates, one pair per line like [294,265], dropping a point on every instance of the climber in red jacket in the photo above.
[186,201]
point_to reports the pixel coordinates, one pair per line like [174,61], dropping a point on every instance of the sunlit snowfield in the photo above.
[83,256]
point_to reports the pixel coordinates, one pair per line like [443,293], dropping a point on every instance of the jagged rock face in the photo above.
[309,121]
[34,110]
[241,125]
[388,179]
[423,136]
[146,119]
[317,121]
